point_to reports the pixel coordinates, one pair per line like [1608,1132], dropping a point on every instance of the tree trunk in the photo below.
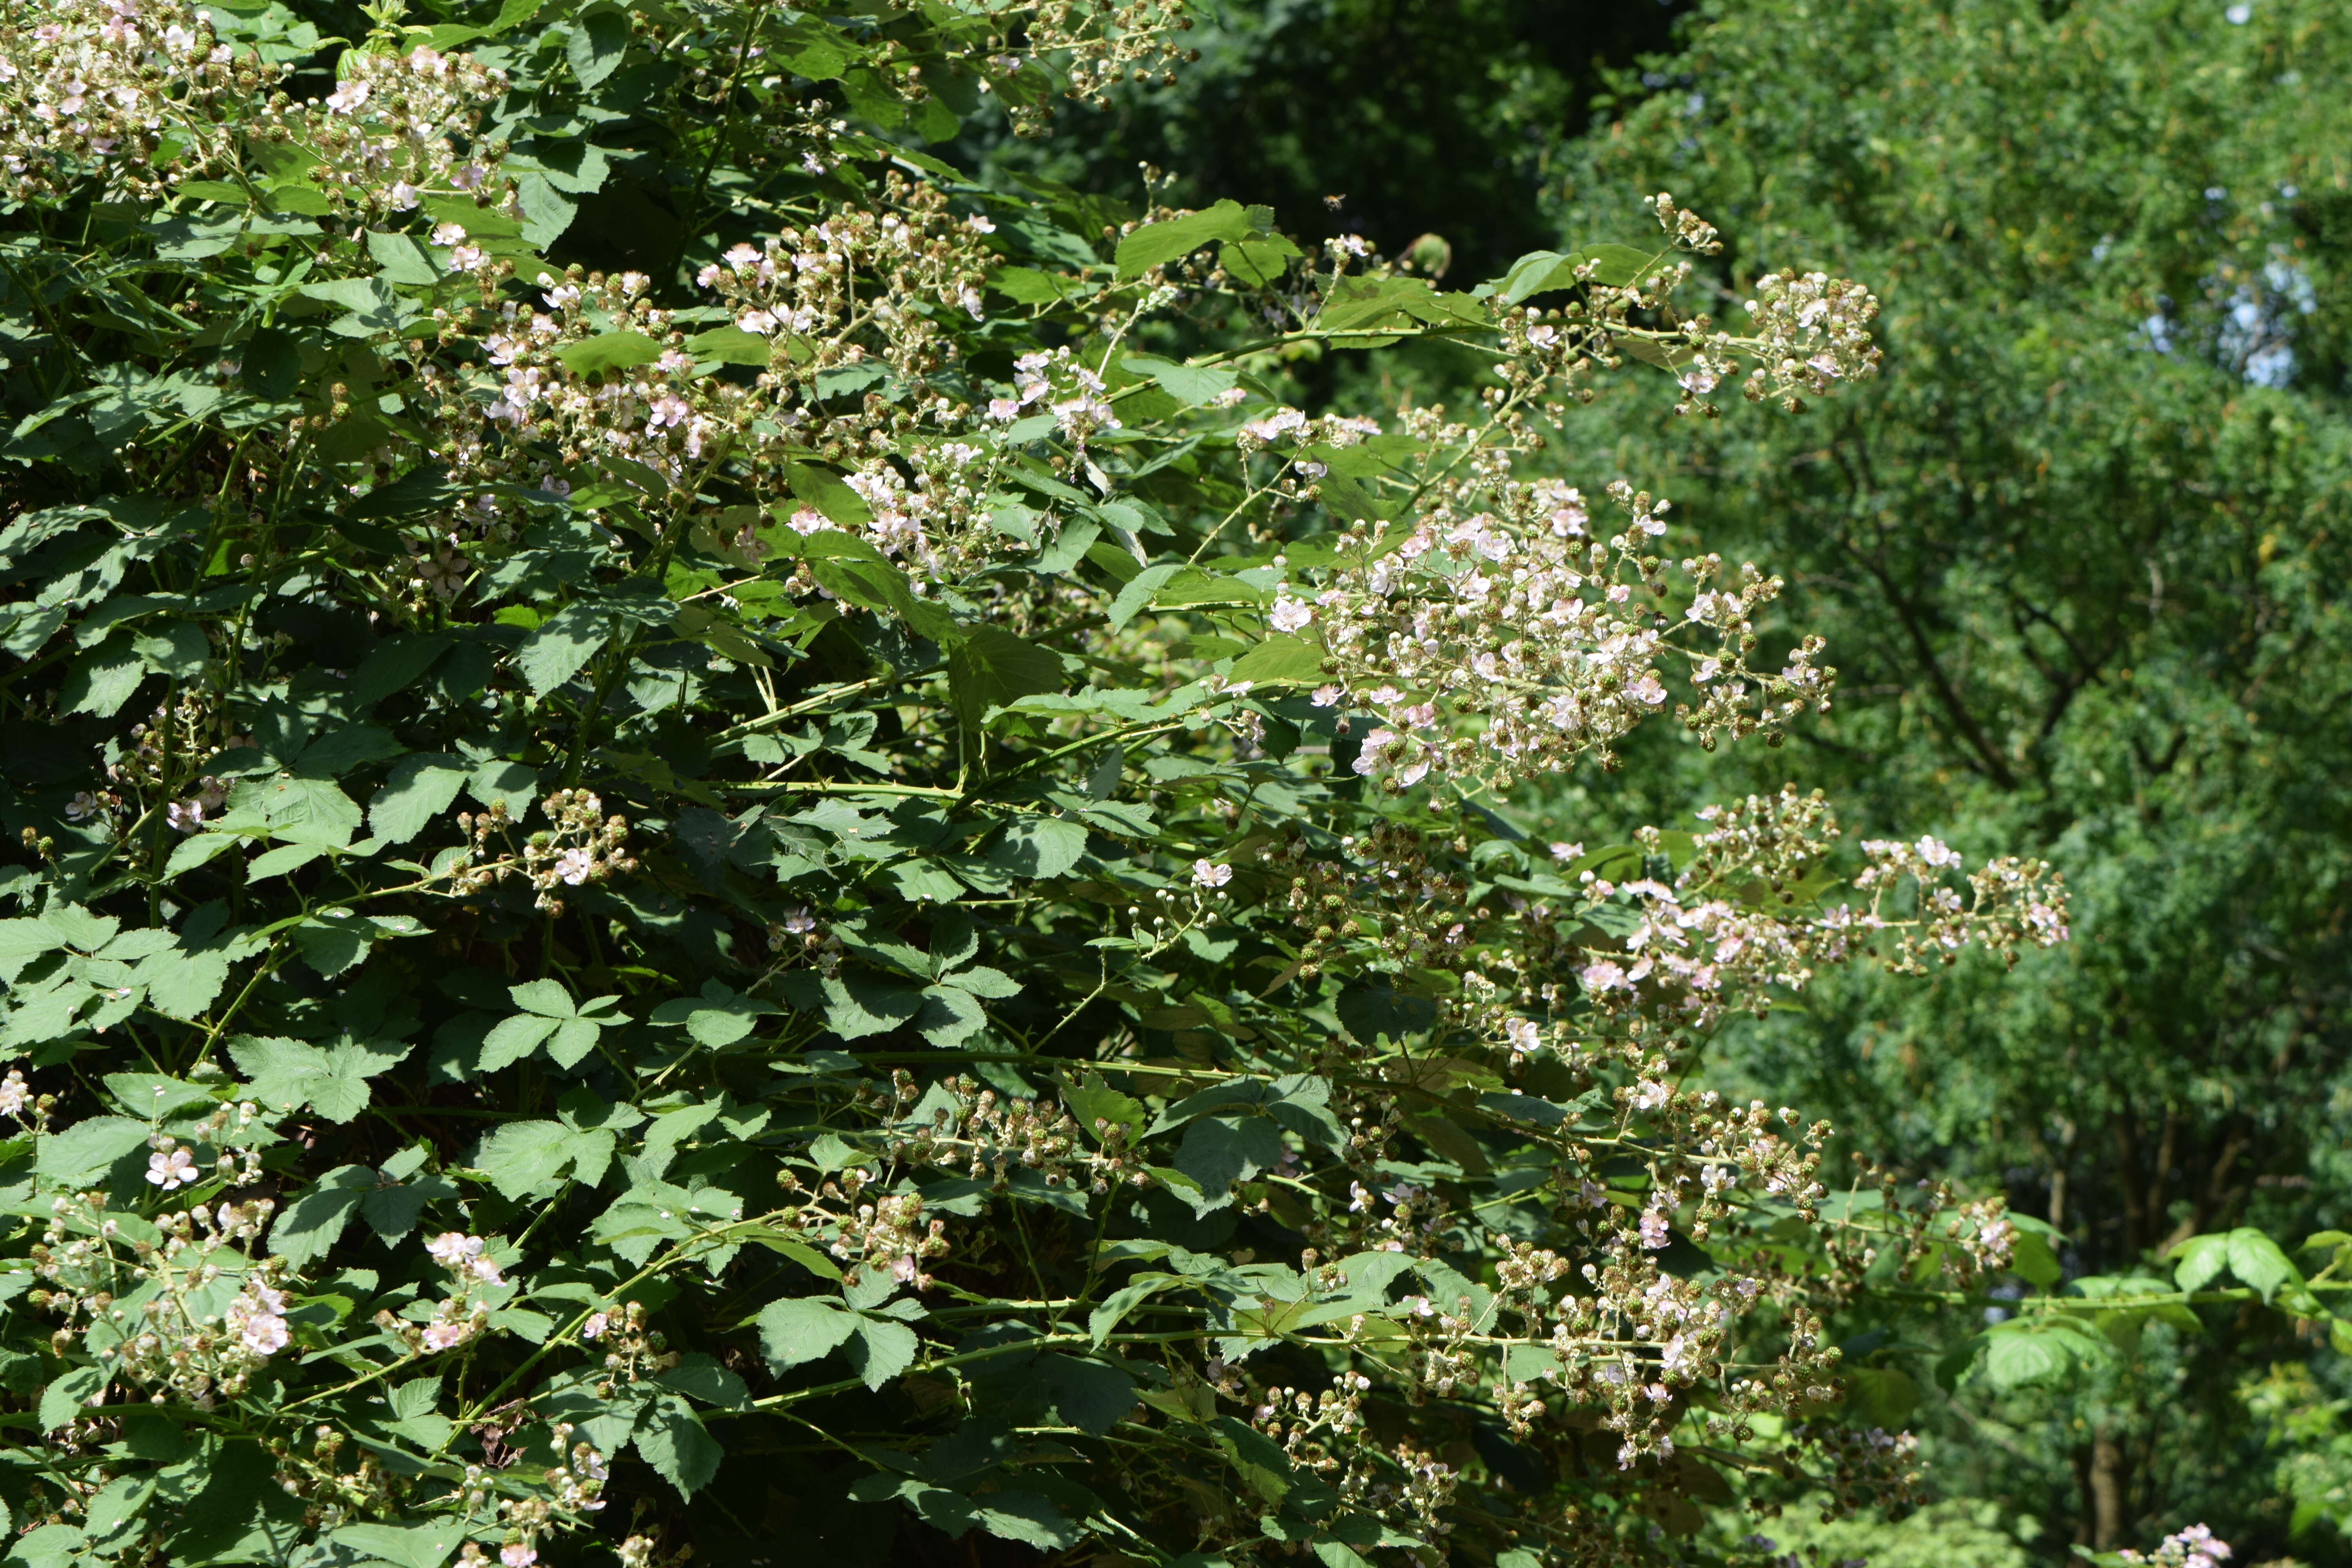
[2106,1493]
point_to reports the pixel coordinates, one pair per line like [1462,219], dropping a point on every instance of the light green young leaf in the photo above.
[420,787]
[63,1401]
[2032,1351]
[80,928]
[1280,660]
[1092,1100]
[530,1159]
[1191,386]
[2258,1260]
[613,350]
[278,861]
[198,850]
[288,1075]
[668,1133]
[673,1440]
[1137,592]
[882,1350]
[401,261]
[801,1329]
[731,345]
[23,940]
[501,783]
[2198,1260]
[981,980]
[950,1015]
[548,998]
[331,946]
[573,1040]
[117,1505]
[75,1155]
[1025,1517]
[514,1037]
[155,1096]
[2032,1260]
[1156,244]
[422,1546]
[717,1019]
[1107,1318]
[182,985]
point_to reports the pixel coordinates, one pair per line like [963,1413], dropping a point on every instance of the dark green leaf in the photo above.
[599,36]
[991,668]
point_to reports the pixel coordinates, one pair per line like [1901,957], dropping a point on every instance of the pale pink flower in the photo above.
[173,1171]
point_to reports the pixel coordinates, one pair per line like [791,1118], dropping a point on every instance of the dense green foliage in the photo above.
[2078,557]
[723,845]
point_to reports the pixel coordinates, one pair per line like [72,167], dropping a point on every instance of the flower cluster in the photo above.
[991,1135]
[1729,930]
[2010,902]
[167,751]
[1716,1145]
[17,1099]
[1095,46]
[210,1317]
[2195,1547]
[864,284]
[1983,1237]
[583,845]
[1863,1466]
[1386,892]
[524,407]
[1816,332]
[513,436]
[401,128]
[106,87]
[1809,334]
[1500,638]
[851,308]
[574,1494]
[934,520]
[461,1315]
[885,1232]
[631,1350]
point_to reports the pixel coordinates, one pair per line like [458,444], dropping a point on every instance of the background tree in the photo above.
[1294,103]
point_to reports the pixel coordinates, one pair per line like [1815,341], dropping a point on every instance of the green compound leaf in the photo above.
[802,1329]
[1157,244]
